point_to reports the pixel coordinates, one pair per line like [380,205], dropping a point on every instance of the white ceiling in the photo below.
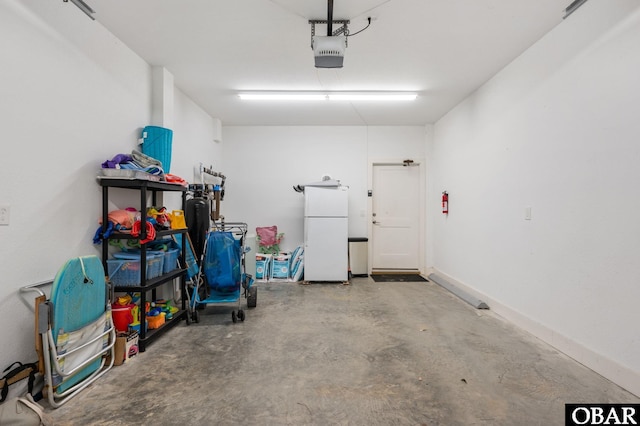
[443,49]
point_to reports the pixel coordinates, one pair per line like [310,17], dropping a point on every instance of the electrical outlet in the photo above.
[4,215]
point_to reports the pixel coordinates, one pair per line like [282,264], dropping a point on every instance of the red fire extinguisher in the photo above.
[445,202]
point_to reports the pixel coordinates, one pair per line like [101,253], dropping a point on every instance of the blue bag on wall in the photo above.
[156,143]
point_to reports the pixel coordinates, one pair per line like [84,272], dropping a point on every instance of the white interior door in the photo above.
[396,213]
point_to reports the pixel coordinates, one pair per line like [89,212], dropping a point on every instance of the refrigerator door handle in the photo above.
[305,239]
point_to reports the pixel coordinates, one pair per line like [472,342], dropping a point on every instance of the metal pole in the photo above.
[330,19]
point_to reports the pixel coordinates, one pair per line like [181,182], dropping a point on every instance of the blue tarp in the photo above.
[222,262]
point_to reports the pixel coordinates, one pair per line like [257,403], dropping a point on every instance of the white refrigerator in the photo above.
[326,233]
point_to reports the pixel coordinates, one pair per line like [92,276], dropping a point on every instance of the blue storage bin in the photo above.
[156,143]
[155,261]
[124,272]
[170,260]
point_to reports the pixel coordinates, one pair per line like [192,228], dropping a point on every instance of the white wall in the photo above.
[71,96]
[557,130]
[267,161]
[193,142]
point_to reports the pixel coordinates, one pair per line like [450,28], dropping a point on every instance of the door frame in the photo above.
[418,162]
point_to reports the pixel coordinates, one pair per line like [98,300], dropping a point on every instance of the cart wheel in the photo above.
[252,299]
[188,318]
[233,316]
[196,316]
[241,315]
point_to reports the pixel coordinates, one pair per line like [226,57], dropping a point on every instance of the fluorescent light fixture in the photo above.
[372,97]
[329,96]
[282,97]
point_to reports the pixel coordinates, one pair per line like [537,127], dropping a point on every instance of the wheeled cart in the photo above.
[222,277]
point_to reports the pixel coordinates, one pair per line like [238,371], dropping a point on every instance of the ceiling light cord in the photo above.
[358,32]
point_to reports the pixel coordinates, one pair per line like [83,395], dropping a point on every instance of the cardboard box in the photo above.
[126,347]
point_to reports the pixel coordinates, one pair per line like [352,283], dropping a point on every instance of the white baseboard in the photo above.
[608,368]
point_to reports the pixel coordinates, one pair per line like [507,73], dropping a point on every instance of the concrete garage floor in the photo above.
[330,354]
